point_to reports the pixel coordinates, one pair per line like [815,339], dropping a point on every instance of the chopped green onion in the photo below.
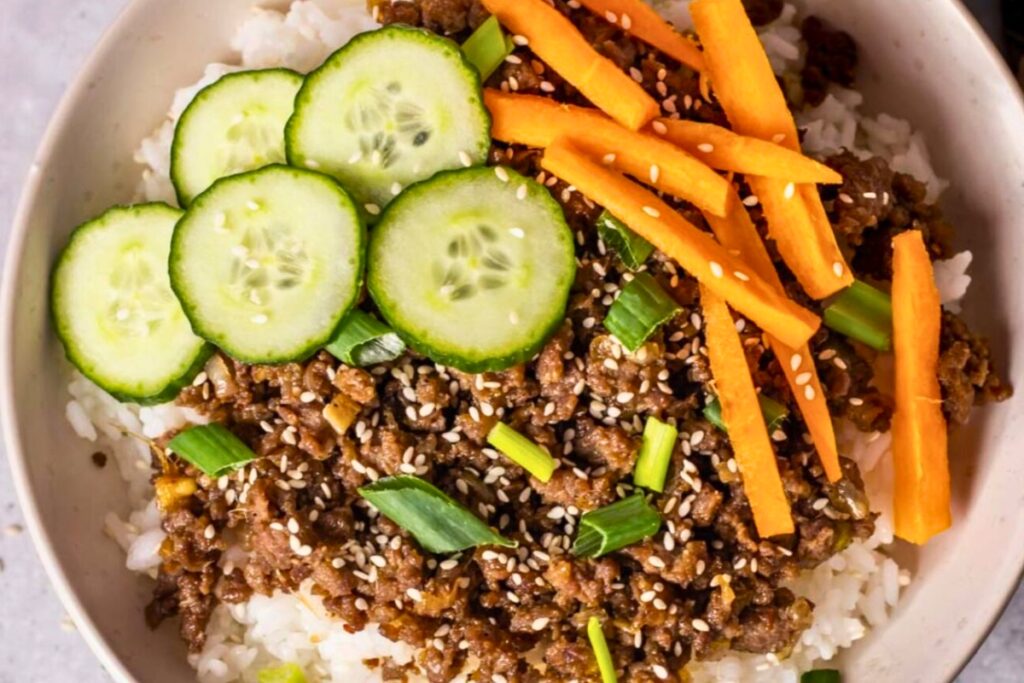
[821,676]
[286,673]
[487,48]
[362,340]
[773,411]
[863,313]
[438,523]
[605,664]
[523,452]
[211,448]
[632,249]
[642,307]
[615,526]
[655,454]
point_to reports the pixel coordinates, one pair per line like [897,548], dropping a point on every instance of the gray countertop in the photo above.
[42,44]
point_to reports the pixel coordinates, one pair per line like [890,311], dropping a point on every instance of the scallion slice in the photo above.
[438,523]
[642,307]
[821,676]
[631,248]
[616,526]
[487,47]
[522,451]
[286,673]
[363,340]
[211,448]
[605,664]
[863,313]
[655,454]
[773,411]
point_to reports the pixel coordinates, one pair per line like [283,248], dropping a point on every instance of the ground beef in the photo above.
[763,12]
[831,58]
[966,374]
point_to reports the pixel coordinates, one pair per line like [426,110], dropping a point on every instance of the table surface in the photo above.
[42,44]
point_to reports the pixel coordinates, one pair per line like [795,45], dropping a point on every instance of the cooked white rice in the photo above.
[853,591]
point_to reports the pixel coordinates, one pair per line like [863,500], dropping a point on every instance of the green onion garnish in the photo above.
[605,664]
[615,526]
[632,249]
[487,47]
[286,673]
[642,307]
[773,411]
[655,454]
[821,676]
[362,340]
[863,313]
[437,522]
[523,452]
[211,448]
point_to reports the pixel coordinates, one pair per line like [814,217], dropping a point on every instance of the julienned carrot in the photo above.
[725,150]
[696,251]
[539,121]
[639,19]
[752,99]
[737,231]
[921,502]
[554,39]
[741,413]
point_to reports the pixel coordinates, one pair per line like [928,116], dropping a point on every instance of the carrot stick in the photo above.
[741,413]
[725,150]
[737,231]
[554,39]
[921,502]
[641,21]
[696,251]
[753,101]
[539,121]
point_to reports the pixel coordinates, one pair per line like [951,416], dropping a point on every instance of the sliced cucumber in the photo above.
[234,125]
[114,309]
[267,263]
[390,108]
[473,267]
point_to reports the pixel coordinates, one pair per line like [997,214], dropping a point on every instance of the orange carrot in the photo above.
[753,101]
[921,502]
[725,150]
[737,231]
[554,39]
[539,121]
[639,19]
[741,413]
[696,251]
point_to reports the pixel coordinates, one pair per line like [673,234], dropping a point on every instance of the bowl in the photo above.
[925,60]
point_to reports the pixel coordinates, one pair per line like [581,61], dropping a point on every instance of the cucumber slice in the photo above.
[390,108]
[267,263]
[232,126]
[114,309]
[473,267]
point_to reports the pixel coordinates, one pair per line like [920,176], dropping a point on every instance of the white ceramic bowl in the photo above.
[923,59]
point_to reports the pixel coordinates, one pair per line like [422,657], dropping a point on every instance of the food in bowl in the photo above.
[482,367]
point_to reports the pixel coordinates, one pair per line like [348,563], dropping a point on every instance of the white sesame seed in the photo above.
[706,147]
[414,594]
[741,276]
[501,173]
[716,269]
[624,397]
[547,86]
[655,173]
[540,624]
[790,191]
[750,200]
[803,378]
[838,269]
[809,392]
[636,74]
[870,195]
[656,562]
[626,22]
[700,625]
[465,159]
[252,205]
[608,159]
[372,209]
[652,212]
[845,198]
[514,59]
[610,16]
[209,532]
[521,41]
[794,361]
[307,397]
[648,596]
[659,128]
[854,401]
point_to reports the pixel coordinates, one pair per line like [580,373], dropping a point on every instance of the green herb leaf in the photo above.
[821,676]
[286,673]
[655,455]
[773,411]
[631,248]
[438,523]
[211,448]
[487,48]
[362,340]
[863,313]
[605,664]
[642,307]
[522,451]
[616,526]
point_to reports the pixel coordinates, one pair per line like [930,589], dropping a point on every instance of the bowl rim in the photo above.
[12,269]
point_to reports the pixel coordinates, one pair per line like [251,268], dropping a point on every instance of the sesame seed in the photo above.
[778,137]
[706,147]
[652,212]
[209,532]
[656,562]
[659,128]
[803,378]
[870,195]
[540,624]
[610,16]
[648,596]
[655,173]
[521,41]
[622,397]
[716,269]
[741,276]
[838,269]
[809,392]
[750,200]
[465,159]
[854,401]
[514,59]
[414,594]
[501,173]
[790,191]
[396,188]
[636,74]
[307,397]
[845,198]
[794,361]
[700,625]
[547,86]
[372,209]
[608,159]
